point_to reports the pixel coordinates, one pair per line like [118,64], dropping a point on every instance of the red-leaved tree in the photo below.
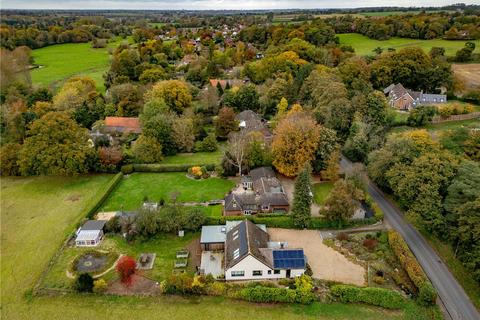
[126,269]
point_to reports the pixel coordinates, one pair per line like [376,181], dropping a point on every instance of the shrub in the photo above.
[267,295]
[158,167]
[127,169]
[370,244]
[215,288]
[178,284]
[99,286]
[342,236]
[209,144]
[126,269]
[84,283]
[421,116]
[375,296]
[426,292]
[113,225]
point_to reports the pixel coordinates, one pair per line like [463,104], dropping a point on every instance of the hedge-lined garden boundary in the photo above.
[381,297]
[158,167]
[286,222]
[427,294]
[97,202]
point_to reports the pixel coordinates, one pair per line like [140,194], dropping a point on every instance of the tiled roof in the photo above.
[123,124]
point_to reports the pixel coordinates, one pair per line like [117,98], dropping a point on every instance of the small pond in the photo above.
[91,262]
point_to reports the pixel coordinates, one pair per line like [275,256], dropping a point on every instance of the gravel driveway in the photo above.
[289,186]
[325,262]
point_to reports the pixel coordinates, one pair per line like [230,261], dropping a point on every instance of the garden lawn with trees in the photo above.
[365,46]
[197,158]
[55,205]
[133,189]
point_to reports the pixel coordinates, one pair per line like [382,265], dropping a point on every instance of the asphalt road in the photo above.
[456,303]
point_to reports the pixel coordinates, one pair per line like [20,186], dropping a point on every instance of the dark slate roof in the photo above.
[288,259]
[274,199]
[244,239]
[94,225]
[240,201]
[262,172]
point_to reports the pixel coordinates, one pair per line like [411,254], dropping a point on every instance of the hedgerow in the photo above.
[375,296]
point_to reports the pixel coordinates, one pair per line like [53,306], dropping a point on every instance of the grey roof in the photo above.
[94,225]
[261,172]
[213,234]
[244,239]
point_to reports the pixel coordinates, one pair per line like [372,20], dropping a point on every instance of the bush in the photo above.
[209,144]
[267,295]
[158,167]
[370,244]
[375,296]
[84,283]
[127,169]
[421,116]
[126,269]
[426,293]
[99,286]
[342,236]
[178,284]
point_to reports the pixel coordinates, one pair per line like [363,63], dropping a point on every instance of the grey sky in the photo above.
[212,4]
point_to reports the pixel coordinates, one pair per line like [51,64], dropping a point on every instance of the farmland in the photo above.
[60,62]
[468,73]
[365,46]
[38,212]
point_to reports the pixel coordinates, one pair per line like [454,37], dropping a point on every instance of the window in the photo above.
[236,253]
[257,273]
[238,273]
[276,271]
[269,271]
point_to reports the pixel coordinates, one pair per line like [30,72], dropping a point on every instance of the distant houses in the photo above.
[122,125]
[260,192]
[405,99]
[241,250]
[250,121]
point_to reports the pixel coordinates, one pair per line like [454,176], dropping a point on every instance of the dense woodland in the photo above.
[319,97]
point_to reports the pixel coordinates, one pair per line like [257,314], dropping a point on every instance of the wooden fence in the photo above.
[473,115]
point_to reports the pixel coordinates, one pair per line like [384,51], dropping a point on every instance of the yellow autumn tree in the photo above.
[294,142]
[175,93]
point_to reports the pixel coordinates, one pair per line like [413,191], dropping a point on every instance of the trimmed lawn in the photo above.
[131,191]
[197,158]
[36,217]
[435,128]
[365,46]
[321,192]
[212,211]
[62,61]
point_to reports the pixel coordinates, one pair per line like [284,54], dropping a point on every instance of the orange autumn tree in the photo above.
[294,142]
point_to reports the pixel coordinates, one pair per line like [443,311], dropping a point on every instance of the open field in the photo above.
[435,128]
[321,192]
[62,61]
[131,191]
[35,220]
[365,46]
[469,73]
[392,13]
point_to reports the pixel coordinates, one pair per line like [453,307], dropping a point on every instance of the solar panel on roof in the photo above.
[288,259]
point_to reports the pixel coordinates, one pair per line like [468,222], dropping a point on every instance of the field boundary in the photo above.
[88,212]
[159,167]
[458,117]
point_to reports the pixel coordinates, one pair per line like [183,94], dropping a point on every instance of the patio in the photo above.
[212,263]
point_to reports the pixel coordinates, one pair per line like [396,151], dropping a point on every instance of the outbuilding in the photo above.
[90,234]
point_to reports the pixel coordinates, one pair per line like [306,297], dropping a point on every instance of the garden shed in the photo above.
[90,234]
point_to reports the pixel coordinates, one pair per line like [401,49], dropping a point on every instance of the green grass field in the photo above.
[62,61]
[321,192]
[36,216]
[435,128]
[131,191]
[365,46]
[195,158]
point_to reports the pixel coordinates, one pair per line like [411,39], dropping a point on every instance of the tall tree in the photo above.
[302,198]
[55,145]
[175,93]
[295,140]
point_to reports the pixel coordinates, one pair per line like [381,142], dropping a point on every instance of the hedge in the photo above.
[267,295]
[158,167]
[427,294]
[286,222]
[97,202]
[375,296]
